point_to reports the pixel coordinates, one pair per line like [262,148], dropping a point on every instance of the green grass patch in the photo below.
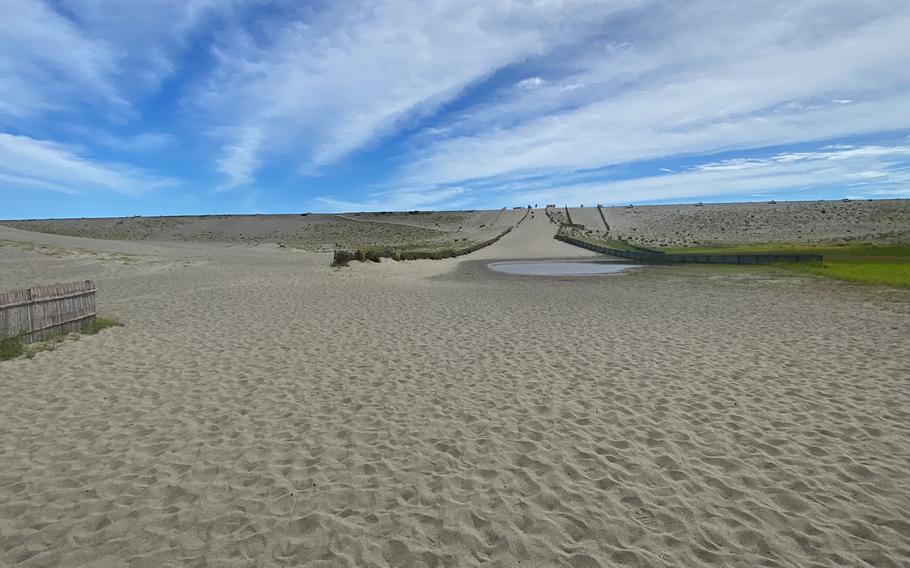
[868,263]
[851,250]
[11,347]
[895,274]
[98,324]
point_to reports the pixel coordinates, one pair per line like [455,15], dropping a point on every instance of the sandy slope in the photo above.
[262,409]
[312,232]
[732,223]
[531,239]
[587,216]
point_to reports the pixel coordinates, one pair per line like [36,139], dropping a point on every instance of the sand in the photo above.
[260,408]
[880,221]
[308,232]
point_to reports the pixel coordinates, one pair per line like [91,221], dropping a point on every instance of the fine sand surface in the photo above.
[260,408]
[310,232]
[880,221]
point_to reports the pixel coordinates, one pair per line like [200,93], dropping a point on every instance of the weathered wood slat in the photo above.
[40,300]
[41,311]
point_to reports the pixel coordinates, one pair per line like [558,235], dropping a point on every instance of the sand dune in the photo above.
[260,408]
[312,232]
[734,223]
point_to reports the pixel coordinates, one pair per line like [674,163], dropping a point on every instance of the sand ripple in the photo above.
[281,413]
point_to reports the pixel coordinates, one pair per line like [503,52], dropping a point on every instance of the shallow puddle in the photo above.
[556,268]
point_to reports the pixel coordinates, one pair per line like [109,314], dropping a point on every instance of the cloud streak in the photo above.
[691,86]
[865,171]
[27,163]
[326,86]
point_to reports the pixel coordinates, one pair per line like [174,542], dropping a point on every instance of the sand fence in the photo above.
[39,312]
[648,255]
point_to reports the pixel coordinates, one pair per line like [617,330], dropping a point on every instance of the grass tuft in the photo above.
[11,347]
[98,324]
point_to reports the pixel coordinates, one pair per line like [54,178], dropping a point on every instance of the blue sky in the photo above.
[230,106]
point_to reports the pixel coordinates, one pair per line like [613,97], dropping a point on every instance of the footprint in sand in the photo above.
[644,517]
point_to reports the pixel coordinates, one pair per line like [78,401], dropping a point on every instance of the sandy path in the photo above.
[533,238]
[587,216]
[267,410]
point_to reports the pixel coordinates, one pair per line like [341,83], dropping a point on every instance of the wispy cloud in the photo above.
[697,79]
[59,57]
[329,84]
[531,83]
[47,61]
[26,163]
[241,158]
[399,200]
[862,170]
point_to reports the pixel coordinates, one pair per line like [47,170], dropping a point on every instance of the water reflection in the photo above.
[557,268]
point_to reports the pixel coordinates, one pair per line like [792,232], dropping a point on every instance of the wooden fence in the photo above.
[661,257]
[604,219]
[42,311]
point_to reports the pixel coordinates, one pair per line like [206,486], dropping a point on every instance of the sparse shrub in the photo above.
[11,347]
[343,257]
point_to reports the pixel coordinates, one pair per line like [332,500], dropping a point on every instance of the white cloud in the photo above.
[149,36]
[29,163]
[59,57]
[530,83]
[865,170]
[399,200]
[332,83]
[240,158]
[700,78]
[46,60]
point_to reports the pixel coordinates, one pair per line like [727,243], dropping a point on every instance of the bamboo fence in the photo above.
[37,313]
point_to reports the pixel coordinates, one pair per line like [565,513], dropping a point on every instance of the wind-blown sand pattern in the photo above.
[260,408]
